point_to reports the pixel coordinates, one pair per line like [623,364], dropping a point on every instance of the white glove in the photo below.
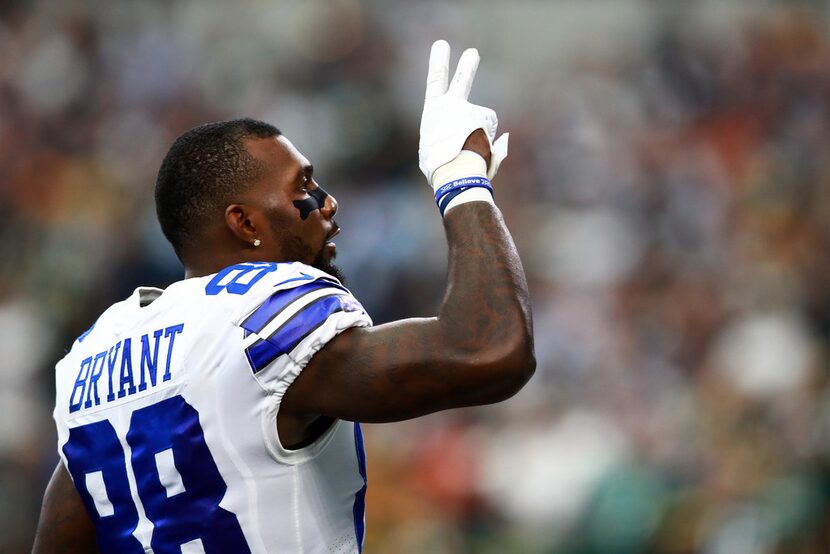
[448,118]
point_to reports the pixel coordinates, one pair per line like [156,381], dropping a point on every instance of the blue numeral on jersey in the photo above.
[178,482]
[94,450]
[181,499]
[237,279]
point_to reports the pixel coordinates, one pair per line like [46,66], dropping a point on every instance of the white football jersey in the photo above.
[166,413]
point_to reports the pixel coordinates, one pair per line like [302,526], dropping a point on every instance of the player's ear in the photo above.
[241,221]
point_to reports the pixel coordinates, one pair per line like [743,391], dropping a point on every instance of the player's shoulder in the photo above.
[287,312]
[291,315]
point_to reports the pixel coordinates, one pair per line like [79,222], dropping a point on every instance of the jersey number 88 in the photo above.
[186,511]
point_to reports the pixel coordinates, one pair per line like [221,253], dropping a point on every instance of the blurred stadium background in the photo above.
[668,187]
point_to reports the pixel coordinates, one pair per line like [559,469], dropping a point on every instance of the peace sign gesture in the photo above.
[449,119]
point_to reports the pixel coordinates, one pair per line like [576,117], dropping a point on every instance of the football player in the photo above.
[221,414]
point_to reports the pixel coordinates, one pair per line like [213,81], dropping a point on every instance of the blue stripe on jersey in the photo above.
[293,331]
[359,508]
[278,301]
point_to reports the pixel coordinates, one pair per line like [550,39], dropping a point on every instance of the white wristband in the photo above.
[460,181]
[477,194]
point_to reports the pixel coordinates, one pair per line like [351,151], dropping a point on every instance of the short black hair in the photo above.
[204,168]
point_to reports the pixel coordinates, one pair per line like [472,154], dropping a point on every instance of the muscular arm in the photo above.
[478,350]
[64,525]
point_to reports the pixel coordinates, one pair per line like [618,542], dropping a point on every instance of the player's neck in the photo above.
[217,249]
[201,267]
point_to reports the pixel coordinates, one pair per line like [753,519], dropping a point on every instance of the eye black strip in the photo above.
[315,201]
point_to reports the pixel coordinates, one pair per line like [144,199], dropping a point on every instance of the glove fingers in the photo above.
[462,82]
[439,69]
[491,121]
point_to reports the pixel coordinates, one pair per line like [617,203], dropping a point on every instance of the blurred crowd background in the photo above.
[668,187]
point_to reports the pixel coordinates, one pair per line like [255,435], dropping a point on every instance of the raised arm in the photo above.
[479,349]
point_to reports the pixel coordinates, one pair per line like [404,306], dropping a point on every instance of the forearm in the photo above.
[487,293]
[486,316]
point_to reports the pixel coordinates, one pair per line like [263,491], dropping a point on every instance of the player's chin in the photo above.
[325,261]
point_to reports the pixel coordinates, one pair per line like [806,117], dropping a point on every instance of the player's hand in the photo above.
[449,120]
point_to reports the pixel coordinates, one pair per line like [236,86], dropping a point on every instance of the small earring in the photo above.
[257,242]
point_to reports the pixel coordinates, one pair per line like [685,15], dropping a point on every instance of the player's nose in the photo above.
[330,206]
